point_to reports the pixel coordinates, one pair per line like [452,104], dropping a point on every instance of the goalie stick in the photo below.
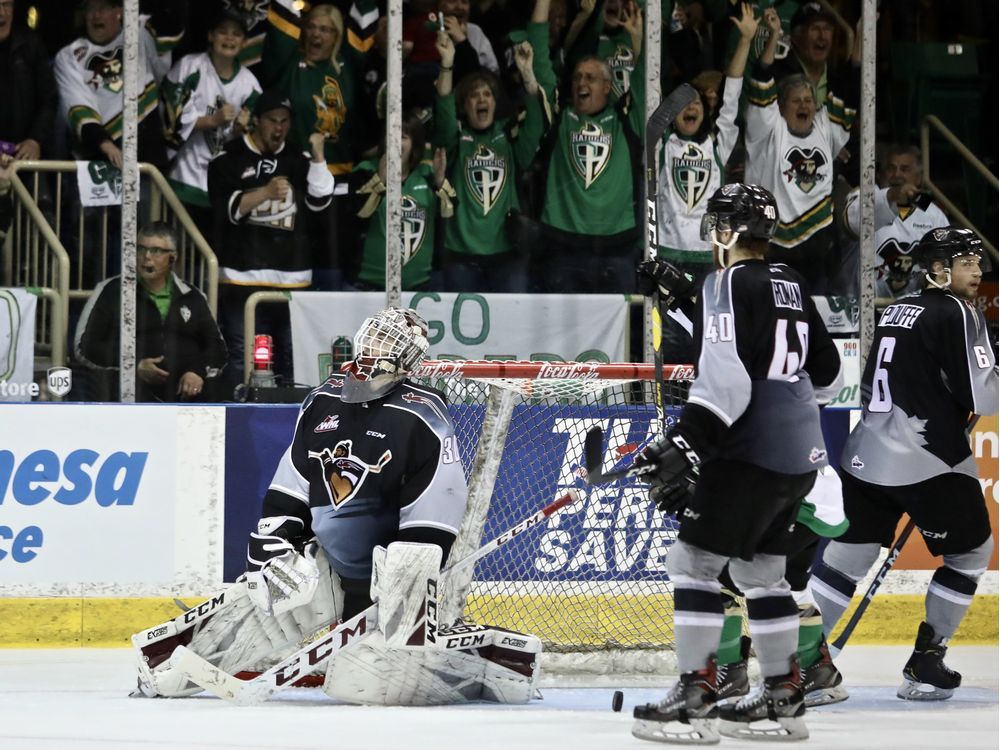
[657,123]
[317,652]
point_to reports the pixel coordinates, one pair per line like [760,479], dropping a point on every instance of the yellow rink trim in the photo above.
[624,620]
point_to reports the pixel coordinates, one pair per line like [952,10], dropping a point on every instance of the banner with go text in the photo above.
[556,327]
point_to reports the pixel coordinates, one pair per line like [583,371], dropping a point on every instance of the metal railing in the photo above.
[55,243]
[925,127]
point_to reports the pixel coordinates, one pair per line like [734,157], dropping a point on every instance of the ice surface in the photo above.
[76,699]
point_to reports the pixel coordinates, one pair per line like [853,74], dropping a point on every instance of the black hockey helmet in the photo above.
[748,209]
[946,244]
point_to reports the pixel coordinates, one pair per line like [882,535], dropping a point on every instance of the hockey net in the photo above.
[591,582]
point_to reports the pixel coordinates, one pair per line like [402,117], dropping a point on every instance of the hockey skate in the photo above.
[926,677]
[822,681]
[691,702]
[731,680]
[778,699]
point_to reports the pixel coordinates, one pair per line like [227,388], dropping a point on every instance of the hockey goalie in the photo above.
[363,508]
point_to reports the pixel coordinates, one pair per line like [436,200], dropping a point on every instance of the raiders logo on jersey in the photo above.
[804,167]
[621,63]
[486,174]
[413,227]
[591,152]
[690,172]
[106,70]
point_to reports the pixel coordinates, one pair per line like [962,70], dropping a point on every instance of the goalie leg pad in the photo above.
[503,670]
[239,637]
[404,583]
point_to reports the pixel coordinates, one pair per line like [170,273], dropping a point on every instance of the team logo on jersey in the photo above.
[591,152]
[106,70]
[816,455]
[412,228]
[185,312]
[276,214]
[485,174]
[690,172]
[804,167]
[857,463]
[330,422]
[621,63]
[253,10]
[415,398]
[345,472]
[331,109]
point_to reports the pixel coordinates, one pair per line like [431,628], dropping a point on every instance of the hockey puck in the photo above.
[617,700]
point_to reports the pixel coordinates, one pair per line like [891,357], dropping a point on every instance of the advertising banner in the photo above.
[556,327]
[17,345]
[107,497]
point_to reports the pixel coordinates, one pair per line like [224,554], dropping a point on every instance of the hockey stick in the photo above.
[658,122]
[593,458]
[316,653]
[838,645]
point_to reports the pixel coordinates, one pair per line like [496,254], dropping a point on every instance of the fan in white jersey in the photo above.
[89,74]
[207,98]
[693,159]
[791,145]
[903,214]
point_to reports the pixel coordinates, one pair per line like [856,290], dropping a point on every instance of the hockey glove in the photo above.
[672,472]
[675,286]
[278,578]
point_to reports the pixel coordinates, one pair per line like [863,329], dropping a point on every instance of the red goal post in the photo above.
[590,582]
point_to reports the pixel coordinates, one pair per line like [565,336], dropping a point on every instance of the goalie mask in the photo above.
[738,210]
[946,245]
[388,346]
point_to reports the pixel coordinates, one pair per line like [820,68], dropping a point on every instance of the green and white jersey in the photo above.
[193,89]
[90,82]
[797,170]
[690,172]
[616,50]
[589,188]
[419,203]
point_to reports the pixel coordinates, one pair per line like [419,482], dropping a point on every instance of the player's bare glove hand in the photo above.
[671,471]
[674,285]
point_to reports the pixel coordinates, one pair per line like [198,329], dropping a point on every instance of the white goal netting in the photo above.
[591,581]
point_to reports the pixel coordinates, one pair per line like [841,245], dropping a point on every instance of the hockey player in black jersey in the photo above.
[364,505]
[930,366]
[744,453]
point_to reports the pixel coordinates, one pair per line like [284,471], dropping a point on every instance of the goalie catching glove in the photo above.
[676,287]
[278,577]
[670,465]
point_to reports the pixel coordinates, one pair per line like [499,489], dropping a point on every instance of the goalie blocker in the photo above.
[407,660]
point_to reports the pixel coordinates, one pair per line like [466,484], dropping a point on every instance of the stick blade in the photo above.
[216,681]
[593,453]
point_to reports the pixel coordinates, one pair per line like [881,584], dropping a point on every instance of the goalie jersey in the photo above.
[359,473]
[764,359]
[930,365]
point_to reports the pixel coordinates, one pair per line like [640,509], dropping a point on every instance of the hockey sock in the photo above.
[832,591]
[948,598]
[774,624]
[732,631]
[810,635]
[698,621]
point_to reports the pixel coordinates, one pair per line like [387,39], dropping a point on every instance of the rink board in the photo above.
[136,505]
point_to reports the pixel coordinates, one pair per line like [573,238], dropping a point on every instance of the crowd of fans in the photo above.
[522,139]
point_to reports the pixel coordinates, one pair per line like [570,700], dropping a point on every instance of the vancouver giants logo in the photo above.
[690,173]
[485,174]
[344,472]
[804,167]
[591,152]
